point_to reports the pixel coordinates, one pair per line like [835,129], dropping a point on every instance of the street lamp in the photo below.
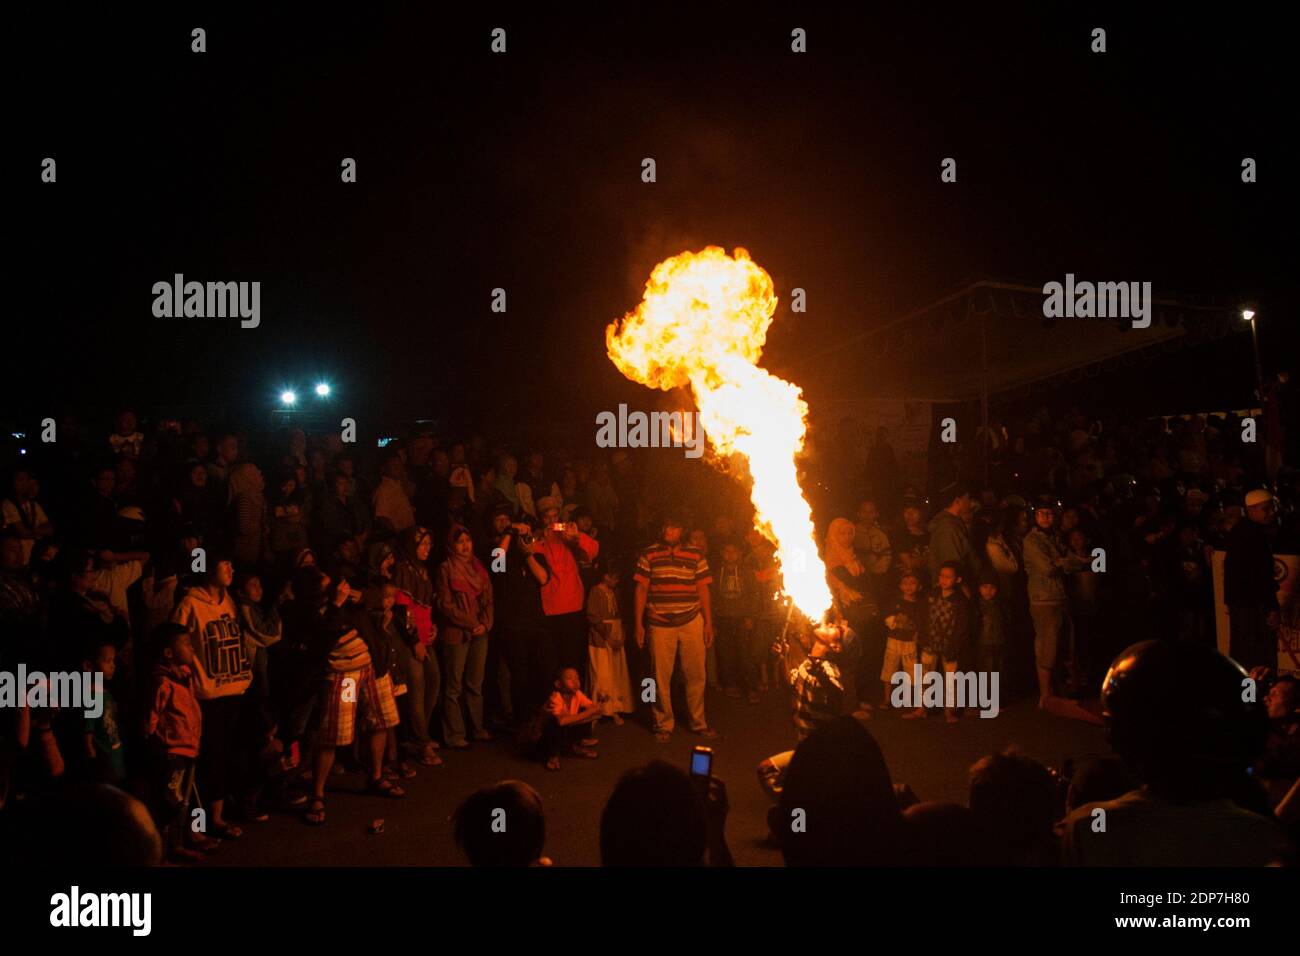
[1248,315]
[323,390]
[287,397]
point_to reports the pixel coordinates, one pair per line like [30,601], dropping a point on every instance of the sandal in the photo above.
[203,844]
[315,814]
[227,831]
[385,788]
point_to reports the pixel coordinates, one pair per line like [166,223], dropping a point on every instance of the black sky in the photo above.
[523,171]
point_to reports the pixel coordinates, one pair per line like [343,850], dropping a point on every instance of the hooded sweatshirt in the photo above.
[222,667]
[174,717]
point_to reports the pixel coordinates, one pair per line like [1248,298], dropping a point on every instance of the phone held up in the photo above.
[702,763]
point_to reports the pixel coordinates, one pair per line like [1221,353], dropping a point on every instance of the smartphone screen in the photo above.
[701,762]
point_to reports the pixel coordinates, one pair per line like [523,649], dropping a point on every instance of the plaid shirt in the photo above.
[818,693]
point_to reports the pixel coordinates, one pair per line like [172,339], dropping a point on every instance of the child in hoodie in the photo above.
[173,727]
[222,673]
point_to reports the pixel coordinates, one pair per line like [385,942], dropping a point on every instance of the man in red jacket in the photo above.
[563,600]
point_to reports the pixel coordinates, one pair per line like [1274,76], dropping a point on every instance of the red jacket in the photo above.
[563,593]
[174,716]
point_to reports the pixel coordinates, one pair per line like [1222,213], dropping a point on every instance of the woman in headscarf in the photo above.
[380,560]
[248,512]
[465,604]
[851,585]
[416,598]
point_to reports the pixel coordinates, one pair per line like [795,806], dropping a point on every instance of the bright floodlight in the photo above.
[288,398]
[1248,315]
[322,389]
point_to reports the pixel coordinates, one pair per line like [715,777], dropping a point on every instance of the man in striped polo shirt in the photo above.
[672,602]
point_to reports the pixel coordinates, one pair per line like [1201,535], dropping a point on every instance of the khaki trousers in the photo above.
[666,643]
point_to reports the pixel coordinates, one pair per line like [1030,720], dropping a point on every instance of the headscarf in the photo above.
[408,542]
[839,553]
[467,574]
[376,555]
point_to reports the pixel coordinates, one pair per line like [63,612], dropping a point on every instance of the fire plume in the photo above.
[702,324]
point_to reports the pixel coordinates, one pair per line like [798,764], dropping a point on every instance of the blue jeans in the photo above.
[462,688]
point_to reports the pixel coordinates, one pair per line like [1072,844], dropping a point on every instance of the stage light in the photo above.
[1248,315]
[322,390]
[287,397]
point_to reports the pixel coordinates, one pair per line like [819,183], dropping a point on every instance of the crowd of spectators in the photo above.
[376,609]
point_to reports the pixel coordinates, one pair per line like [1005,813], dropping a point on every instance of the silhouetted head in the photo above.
[654,817]
[501,825]
[838,806]
[1175,714]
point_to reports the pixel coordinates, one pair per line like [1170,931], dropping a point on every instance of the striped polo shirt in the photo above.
[673,575]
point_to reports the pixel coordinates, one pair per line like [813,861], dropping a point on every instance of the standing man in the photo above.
[672,598]
[950,535]
[1047,563]
[564,600]
[1250,588]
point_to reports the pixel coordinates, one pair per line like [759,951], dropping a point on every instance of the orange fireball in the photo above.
[702,324]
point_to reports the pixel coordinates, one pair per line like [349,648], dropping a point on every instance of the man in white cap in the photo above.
[1250,590]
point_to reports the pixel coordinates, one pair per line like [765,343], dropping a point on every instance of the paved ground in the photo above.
[930,755]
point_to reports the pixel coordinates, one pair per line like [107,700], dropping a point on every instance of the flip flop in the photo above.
[315,814]
[385,788]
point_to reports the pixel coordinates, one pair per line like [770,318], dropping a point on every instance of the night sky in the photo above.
[523,171]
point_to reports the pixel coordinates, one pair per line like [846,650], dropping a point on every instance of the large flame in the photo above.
[703,323]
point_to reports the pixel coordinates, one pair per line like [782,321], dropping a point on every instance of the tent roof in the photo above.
[935,351]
